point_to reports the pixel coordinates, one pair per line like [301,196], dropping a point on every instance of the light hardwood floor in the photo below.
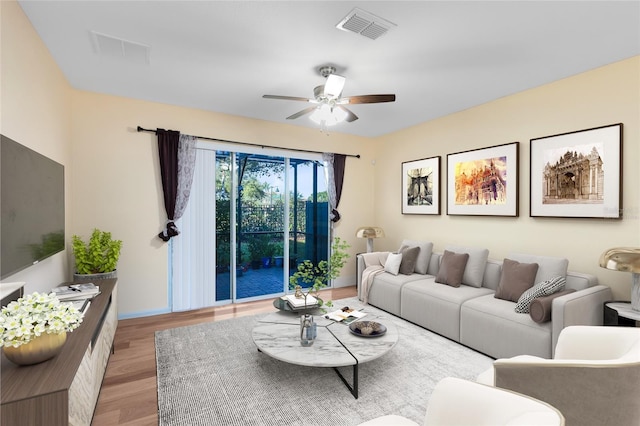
[129,390]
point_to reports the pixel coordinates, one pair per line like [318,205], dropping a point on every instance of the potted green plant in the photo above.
[96,258]
[261,249]
[317,276]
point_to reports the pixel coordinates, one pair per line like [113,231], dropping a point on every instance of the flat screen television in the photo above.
[32,204]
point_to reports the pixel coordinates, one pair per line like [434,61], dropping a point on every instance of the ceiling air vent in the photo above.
[364,23]
[131,51]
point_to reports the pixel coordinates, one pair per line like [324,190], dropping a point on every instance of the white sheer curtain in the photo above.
[192,270]
[186,167]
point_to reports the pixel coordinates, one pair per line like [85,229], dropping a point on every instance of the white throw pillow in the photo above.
[392,265]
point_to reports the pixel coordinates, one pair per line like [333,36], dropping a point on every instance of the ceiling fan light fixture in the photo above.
[324,115]
[334,85]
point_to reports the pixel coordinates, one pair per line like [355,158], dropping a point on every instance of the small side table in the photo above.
[620,314]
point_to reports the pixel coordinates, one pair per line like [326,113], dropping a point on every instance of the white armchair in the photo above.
[593,379]
[462,402]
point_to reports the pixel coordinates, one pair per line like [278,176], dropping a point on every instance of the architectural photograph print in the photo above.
[577,174]
[421,186]
[483,182]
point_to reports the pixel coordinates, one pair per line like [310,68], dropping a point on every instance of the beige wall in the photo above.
[607,95]
[116,181]
[36,112]
[113,179]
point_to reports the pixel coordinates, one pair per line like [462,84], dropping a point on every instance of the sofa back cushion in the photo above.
[548,267]
[492,274]
[579,281]
[422,262]
[474,271]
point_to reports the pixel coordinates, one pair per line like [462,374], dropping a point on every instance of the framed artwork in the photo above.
[483,182]
[577,174]
[421,186]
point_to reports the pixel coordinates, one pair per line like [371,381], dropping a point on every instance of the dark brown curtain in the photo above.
[336,164]
[338,176]
[168,142]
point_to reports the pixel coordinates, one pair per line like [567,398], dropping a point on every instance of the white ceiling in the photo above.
[442,56]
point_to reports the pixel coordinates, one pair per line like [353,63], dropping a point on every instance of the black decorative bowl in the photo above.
[367,328]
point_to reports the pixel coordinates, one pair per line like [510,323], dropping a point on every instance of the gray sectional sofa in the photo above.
[471,314]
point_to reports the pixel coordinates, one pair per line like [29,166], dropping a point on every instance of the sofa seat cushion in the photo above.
[437,306]
[384,291]
[492,326]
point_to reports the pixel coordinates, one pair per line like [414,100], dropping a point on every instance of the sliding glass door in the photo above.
[253,218]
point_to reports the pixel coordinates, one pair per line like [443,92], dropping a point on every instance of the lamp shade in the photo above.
[327,115]
[370,232]
[625,259]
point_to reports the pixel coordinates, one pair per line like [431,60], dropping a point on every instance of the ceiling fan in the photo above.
[329,105]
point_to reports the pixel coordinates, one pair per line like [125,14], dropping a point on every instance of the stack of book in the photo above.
[300,302]
[70,292]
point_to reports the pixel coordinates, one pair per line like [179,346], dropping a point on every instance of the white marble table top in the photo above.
[624,310]
[278,335]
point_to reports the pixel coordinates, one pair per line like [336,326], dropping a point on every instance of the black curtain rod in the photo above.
[140,129]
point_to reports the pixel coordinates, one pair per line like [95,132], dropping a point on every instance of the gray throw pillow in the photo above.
[540,308]
[409,259]
[516,279]
[452,268]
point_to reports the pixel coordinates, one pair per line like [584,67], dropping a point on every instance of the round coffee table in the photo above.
[278,336]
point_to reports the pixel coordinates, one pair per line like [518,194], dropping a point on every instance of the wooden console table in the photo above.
[65,389]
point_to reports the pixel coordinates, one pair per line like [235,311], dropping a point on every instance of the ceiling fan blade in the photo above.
[301,113]
[334,85]
[350,115]
[368,99]
[287,98]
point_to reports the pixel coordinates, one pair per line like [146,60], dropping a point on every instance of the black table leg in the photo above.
[353,388]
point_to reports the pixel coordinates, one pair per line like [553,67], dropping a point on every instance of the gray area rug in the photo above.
[212,374]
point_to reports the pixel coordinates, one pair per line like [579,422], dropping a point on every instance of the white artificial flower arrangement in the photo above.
[33,315]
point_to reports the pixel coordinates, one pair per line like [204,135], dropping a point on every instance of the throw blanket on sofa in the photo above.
[374,264]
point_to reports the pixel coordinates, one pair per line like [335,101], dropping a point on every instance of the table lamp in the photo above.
[369,232]
[625,259]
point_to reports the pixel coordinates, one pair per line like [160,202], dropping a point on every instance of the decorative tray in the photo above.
[367,328]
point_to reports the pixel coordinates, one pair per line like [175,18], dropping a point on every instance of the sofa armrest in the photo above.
[361,264]
[585,393]
[583,307]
